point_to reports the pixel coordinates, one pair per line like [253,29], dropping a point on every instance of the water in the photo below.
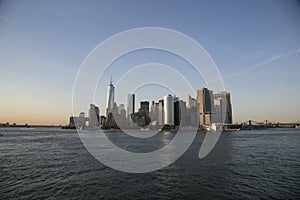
[52,163]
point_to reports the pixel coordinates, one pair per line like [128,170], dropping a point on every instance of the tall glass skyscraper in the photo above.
[130,105]
[110,97]
[223,107]
[169,109]
[205,104]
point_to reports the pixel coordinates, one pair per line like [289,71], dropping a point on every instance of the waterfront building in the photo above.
[142,118]
[205,106]
[191,102]
[144,105]
[169,110]
[192,116]
[120,118]
[177,113]
[161,115]
[72,121]
[130,105]
[183,112]
[120,108]
[102,120]
[94,117]
[81,120]
[154,113]
[223,107]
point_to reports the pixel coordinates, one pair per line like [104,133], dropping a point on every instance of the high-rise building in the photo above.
[94,117]
[190,102]
[161,115]
[169,109]
[192,116]
[177,113]
[120,116]
[223,108]
[145,106]
[219,110]
[115,109]
[154,113]
[182,112]
[81,120]
[102,120]
[72,121]
[142,118]
[121,107]
[110,97]
[130,105]
[205,105]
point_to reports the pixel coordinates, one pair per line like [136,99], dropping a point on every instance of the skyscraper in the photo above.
[145,106]
[180,112]
[120,108]
[110,97]
[154,113]
[81,120]
[205,105]
[94,118]
[161,115]
[177,113]
[169,109]
[190,102]
[223,107]
[130,105]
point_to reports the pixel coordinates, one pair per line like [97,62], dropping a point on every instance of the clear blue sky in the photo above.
[255,44]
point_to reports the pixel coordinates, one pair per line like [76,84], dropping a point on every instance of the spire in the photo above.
[110,82]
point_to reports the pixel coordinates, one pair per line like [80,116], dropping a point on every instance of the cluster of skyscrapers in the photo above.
[207,109]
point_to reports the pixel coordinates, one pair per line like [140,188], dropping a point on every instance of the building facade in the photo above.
[94,116]
[144,105]
[110,100]
[169,110]
[130,105]
[205,106]
[223,107]
[161,112]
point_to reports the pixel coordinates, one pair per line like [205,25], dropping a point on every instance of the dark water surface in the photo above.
[53,163]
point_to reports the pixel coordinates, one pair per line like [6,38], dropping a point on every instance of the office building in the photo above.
[183,113]
[130,105]
[145,106]
[120,108]
[205,106]
[169,110]
[161,115]
[191,102]
[177,113]
[72,121]
[81,120]
[223,107]
[94,116]
[110,100]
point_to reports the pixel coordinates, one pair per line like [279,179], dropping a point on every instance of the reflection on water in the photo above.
[40,163]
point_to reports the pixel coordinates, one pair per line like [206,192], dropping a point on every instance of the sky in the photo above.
[255,45]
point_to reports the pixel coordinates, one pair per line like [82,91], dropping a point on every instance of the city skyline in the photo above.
[208,110]
[255,44]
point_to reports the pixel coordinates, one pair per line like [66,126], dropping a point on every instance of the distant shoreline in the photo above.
[28,126]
